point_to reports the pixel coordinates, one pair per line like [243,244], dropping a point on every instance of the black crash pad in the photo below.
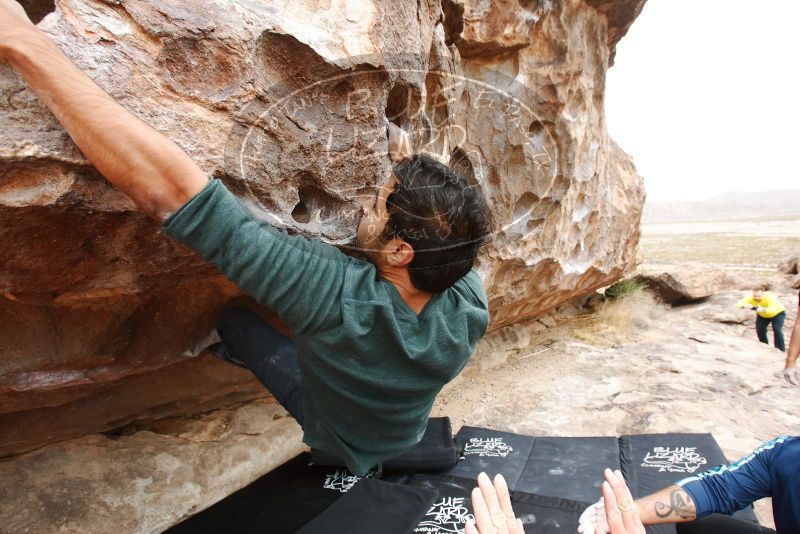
[552,480]
[547,515]
[373,506]
[492,452]
[568,468]
[654,461]
[452,506]
[281,501]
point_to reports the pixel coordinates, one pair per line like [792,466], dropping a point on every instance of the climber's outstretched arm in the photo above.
[140,161]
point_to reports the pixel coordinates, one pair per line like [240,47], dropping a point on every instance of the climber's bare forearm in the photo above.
[794,343]
[140,161]
[669,505]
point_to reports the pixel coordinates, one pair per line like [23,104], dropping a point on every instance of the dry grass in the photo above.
[747,244]
[625,320]
[727,250]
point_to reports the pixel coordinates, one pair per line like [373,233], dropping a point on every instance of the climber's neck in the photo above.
[416,299]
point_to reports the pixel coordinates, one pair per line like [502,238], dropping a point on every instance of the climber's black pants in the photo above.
[249,341]
[777,330]
[721,524]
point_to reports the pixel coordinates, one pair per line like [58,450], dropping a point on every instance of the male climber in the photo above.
[374,341]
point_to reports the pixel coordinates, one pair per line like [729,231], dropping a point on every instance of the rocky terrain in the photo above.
[635,366]
[286,102]
[641,368]
[110,419]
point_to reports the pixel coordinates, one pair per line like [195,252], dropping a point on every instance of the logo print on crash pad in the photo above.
[343,480]
[448,515]
[677,460]
[491,447]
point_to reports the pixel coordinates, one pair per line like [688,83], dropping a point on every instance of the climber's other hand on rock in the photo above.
[399,143]
[14,26]
[792,375]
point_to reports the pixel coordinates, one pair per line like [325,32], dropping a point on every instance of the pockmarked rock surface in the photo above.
[683,283]
[286,102]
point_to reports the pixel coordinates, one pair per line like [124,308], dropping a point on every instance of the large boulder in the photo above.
[286,102]
[145,481]
[683,284]
[789,265]
[620,14]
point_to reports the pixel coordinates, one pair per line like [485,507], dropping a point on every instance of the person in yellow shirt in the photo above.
[768,310]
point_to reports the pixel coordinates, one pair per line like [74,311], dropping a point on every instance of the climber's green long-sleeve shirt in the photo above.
[371,367]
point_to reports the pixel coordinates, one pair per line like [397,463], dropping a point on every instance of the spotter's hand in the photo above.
[491,503]
[622,515]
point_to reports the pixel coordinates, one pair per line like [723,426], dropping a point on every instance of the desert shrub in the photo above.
[624,288]
[627,317]
[638,310]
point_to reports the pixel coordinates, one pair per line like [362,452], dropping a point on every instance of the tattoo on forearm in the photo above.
[680,506]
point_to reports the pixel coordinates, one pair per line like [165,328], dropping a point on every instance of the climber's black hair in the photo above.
[442,217]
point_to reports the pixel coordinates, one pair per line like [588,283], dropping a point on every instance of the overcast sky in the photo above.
[705,96]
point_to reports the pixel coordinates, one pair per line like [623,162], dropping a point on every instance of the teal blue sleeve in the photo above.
[298,278]
[728,488]
[470,287]
[477,293]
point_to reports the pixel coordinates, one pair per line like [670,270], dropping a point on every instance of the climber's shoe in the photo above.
[220,351]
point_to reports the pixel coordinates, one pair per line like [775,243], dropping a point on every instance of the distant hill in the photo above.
[735,205]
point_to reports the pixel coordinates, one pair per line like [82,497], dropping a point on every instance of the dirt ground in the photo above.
[640,367]
[733,245]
